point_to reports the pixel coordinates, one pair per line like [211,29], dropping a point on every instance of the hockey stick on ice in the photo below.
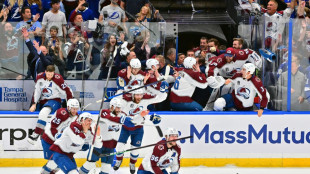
[104,99]
[136,148]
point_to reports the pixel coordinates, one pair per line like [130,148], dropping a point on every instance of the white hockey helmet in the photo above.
[135,63]
[171,131]
[115,102]
[73,103]
[249,67]
[84,116]
[189,62]
[151,62]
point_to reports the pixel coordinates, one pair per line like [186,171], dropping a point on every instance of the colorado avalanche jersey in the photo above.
[109,129]
[132,109]
[185,84]
[161,158]
[59,121]
[72,140]
[133,80]
[51,90]
[245,91]
[155,88]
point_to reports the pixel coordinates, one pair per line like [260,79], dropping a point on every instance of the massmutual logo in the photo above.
[12,95]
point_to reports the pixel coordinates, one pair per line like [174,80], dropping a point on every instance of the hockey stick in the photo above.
[104,99]
[103,96]
[136,148]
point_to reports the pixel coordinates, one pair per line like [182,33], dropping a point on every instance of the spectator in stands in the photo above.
[130,56]
[70,5]
[187,80]
[181,57]
[14,8]
[46,4]
[36,9]
[94,5]
[133,7]
[86,13]
[144,15]
[113,19]
[38,59]
[297,88]
[54,17]
[190,53]
[274,22]
[171,54]
[142,48]
[203,46]
[237,43]
[110,49]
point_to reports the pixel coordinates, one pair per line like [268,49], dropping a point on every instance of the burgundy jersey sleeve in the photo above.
[242,54]
[238,74]
[217,62]
[158,151]
[123,74]
[77,129]
[106,114]
[153,79]
[63,85]
[61,115]
[262,90]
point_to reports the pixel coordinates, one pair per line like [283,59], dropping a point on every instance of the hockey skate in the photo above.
[132,168]
[33,138]
[117,164]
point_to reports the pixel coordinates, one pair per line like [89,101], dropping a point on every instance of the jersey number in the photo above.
[154,158]
[56,120]
[177,83]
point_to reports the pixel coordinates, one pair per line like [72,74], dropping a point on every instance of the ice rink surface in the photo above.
[184,170]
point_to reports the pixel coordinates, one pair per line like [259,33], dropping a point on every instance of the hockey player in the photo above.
[246,86]
[164,155]
[110,132]
[135,103]
[131,76]
[60,120]
[189,78]
[49,88]
[74,138]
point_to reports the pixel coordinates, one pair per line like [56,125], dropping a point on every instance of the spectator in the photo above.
[142,48]
[38,59]
[82,9]
[36,9]
[14,8]
[237,43]
[46,5]
[190,53]
[144,15]
[171,54]
[203,46]
[54,17]
[164,68]
[130,56]
[70,5]
[213,45]
[181,57]
[94,5]
[187,80]
[297,88]
[133,7]
[112,17]
[110,49]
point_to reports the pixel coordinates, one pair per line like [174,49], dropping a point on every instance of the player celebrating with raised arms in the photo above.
[60,120]
[49,88]
[76,137]
[246,86]
[110,132]
[165,154]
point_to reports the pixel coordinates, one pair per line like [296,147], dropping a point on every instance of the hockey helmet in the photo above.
[73,103]
[249,67]
[230,52]
[189,62]
[115,102]
[151,62]
[84,116]
[171,131]
[135,63]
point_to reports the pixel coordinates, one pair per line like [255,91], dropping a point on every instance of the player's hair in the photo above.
[54,28]
[275,2]
[216,42]
[50,68]
[204,38]
[190,51]
[161,59]
[201,60]
[240,40]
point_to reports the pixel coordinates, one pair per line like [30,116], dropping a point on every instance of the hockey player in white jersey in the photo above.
[74,138]
[110,127]
[49,88]
[134,104]
[245,88]
[60,120]
[164,155]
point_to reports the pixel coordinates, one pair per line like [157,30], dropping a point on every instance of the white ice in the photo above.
[183,170]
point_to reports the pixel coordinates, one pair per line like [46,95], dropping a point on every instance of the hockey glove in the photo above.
[164,86]
[126,121]
[124,50]
[57,136]
[156,119]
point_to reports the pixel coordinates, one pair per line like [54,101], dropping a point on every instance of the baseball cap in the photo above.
[230,52]
[71,30]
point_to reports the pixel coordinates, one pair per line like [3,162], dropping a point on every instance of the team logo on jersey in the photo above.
[161,147]
[243,92]
[114,128]
[271,27]
[57,76]
[47,92]
[63,112]
[115,15]
[219,60]
[241,53]
[257,79]
[135,111]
